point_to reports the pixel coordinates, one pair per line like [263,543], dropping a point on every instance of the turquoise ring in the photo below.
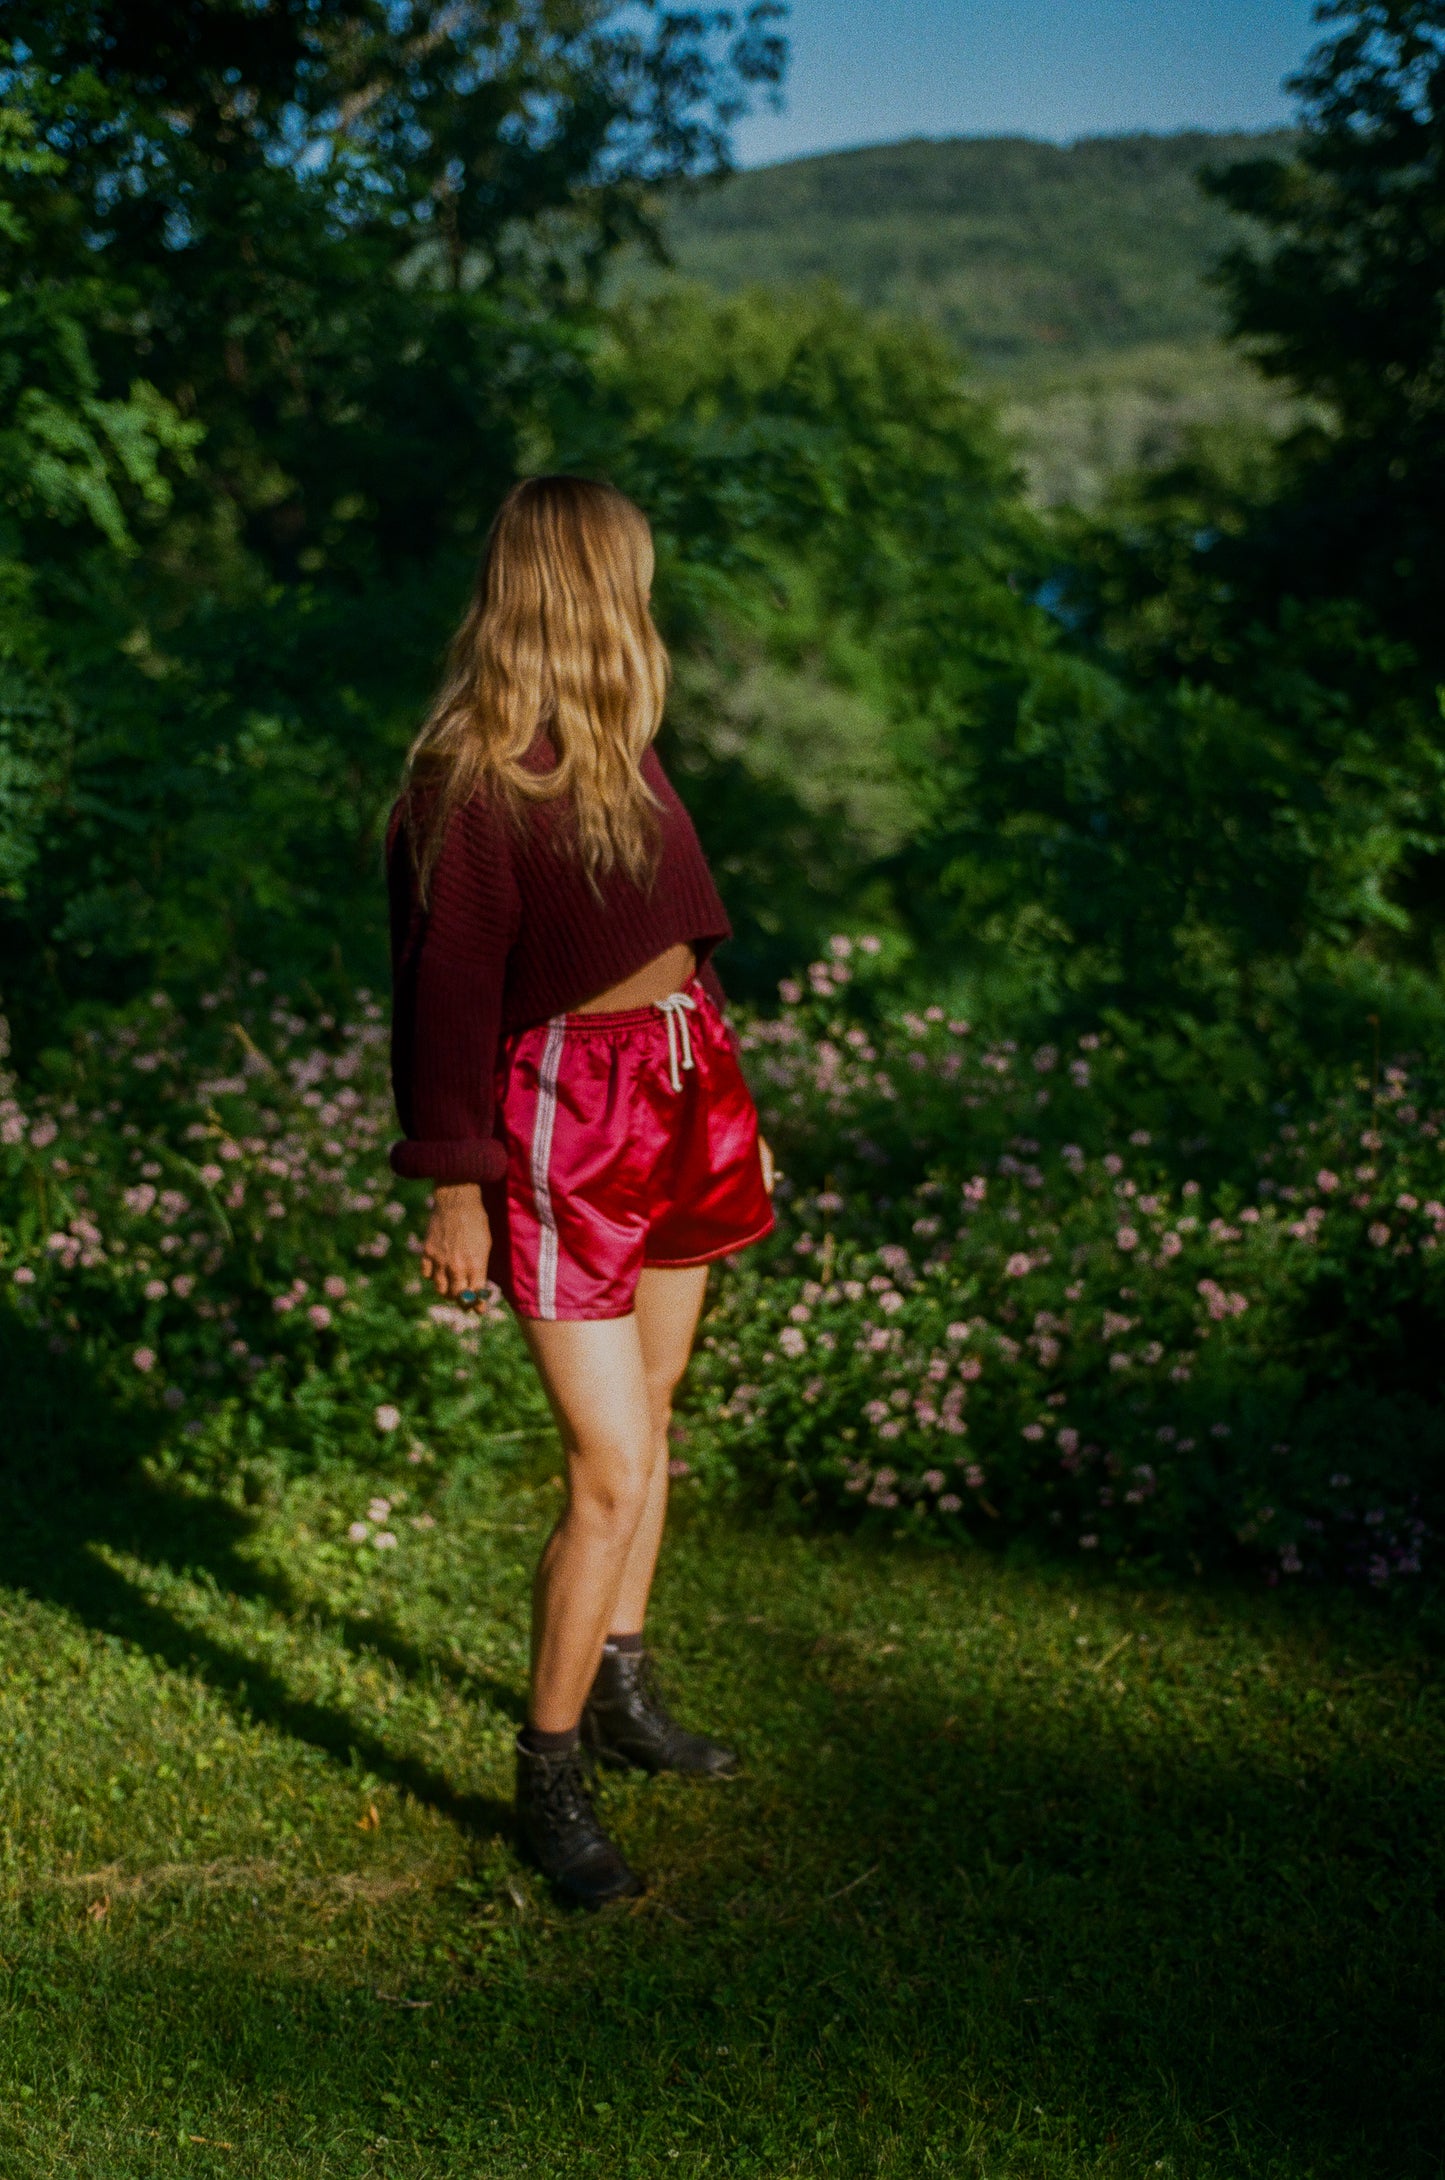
[468,1294]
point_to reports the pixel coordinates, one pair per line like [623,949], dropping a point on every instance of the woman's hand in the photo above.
[458,1243]
[770,1170]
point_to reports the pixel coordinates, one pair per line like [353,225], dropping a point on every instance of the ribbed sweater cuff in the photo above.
[481,1159]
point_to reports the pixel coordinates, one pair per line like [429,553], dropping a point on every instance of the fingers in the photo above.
[456,1252]
[454,1277]
[447,1279]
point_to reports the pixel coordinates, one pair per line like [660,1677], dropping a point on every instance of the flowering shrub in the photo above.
[995,1303]
[1005,1309]
[203,1218]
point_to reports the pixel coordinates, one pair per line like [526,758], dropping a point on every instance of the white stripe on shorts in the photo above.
[542,1128]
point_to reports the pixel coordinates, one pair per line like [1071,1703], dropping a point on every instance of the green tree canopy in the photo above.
[1345,299]
[290,294]
[288,203]
[78,464]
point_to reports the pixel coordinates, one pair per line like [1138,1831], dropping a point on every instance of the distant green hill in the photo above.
[1072,277]
[1021,252]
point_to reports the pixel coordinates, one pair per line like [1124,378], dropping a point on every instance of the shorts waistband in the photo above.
[635,1017]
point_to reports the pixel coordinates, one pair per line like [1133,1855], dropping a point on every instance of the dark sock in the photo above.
[538,1743]
[626,1646]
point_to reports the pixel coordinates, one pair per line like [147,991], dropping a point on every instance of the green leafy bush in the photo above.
[203,1217]
[999,1303]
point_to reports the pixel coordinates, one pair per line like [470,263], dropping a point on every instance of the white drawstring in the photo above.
[675,1010]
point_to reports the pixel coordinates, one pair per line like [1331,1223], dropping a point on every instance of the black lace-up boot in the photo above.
[559,1829]
[625,1723]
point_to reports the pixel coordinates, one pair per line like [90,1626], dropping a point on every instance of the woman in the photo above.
[565,1079]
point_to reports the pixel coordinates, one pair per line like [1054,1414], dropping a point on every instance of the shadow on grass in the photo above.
[956,1948]
[78,1484]
[940,1928]
[1227,1947]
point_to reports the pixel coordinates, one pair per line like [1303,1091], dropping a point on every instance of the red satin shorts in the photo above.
[631,1140]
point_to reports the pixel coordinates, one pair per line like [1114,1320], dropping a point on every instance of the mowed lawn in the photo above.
[1033,1871]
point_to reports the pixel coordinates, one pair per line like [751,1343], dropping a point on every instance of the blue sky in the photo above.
[870,71]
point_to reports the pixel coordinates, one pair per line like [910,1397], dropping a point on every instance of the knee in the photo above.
[609,1490]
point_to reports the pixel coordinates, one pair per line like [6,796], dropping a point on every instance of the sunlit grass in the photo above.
[1030,1873]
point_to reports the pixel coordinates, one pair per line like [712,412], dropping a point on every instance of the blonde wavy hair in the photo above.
[558,636]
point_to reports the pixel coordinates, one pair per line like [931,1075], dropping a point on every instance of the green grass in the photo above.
[1033,1872]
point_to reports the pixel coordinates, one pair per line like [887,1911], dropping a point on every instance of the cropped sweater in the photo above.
[510,935]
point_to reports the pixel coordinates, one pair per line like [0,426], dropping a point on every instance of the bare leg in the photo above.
[610,1383]
[668,1306]
[595,1380]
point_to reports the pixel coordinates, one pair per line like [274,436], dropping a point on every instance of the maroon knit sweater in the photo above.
[511,934]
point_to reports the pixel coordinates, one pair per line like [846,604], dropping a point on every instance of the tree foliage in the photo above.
[1215,800]
[290,296]
[1345,300]
[78,463]
[326,229]
[333,263]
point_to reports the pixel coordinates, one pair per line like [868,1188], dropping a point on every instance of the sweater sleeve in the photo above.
[449,962]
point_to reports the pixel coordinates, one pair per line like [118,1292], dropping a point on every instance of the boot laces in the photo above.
[563,1792]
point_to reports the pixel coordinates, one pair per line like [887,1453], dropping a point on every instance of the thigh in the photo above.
[669,1304]
[595,1378]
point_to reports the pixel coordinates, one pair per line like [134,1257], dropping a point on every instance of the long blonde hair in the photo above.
[559,635]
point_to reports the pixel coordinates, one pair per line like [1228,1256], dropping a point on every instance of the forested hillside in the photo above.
[1023,253]
[1074,278]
